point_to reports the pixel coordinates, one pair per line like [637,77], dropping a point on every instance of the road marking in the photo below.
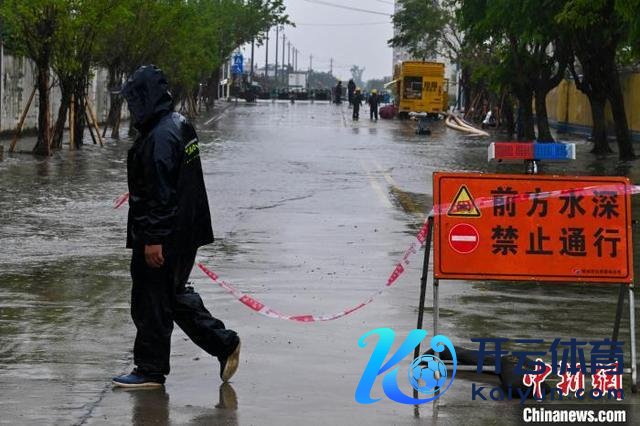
[397,192]
[217,117]
[214,119]
[386,175]
[384,198]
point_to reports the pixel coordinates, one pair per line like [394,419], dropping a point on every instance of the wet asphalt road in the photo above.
[311,213]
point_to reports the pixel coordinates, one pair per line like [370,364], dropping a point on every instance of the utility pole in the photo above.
[275,76]
[331,67]
[288,55]
[310,63]
[253,46]
[266,59]
[283,45]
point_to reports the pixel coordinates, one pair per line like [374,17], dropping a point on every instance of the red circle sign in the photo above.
[464,238]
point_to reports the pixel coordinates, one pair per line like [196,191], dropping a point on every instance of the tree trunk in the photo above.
[525,109]
[79,122]
[58,129]
[507,114]
[211,91]
[61,120]
[625,147]
[466,88]
[115,103]
[599,132]
[542,118]
[42,144]
[115,133]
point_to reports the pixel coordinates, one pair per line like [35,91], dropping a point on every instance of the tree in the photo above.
[420,28]
[139,31]
[597,29]
[31,29]
[432,29]
[193,51]
[189,40]
[532,51]
[356,74]
[73,56]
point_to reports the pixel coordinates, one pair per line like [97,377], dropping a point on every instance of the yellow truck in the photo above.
[420,87]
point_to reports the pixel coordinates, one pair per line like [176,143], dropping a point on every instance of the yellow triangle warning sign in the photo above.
[463,204]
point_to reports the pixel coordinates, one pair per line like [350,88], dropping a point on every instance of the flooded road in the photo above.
[311,213]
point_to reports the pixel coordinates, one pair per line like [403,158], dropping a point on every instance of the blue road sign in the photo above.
[238,64]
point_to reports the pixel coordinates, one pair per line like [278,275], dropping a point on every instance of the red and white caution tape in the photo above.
[399,269]
[259,307]
[119,202]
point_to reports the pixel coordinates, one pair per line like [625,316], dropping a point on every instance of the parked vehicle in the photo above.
[420,87]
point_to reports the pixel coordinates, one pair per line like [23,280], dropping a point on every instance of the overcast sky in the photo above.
[349,36]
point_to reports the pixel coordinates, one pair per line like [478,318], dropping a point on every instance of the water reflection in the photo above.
[226,409]
[150,406]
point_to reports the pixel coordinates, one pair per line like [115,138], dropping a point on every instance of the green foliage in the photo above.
[527,43]
[31,28]
[630,11]
[419,27]
[188,39]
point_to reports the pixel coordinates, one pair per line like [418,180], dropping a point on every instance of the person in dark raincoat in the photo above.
[374,102]
[357,102]
[351,89]
[168,220]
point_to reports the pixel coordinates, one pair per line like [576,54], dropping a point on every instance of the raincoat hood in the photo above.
[148,97]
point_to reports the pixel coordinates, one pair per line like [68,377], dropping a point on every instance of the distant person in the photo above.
[169,219]
[337,95]
[351,88]
[357,102]
[374,103]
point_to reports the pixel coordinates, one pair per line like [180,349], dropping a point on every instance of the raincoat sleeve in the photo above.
[161,171]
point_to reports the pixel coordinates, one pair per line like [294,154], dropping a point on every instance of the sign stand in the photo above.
[436,308]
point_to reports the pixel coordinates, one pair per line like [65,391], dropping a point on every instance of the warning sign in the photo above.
[529,227]
[463,204]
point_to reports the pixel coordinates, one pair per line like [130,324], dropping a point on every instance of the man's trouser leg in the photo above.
[194,319]
[151,309]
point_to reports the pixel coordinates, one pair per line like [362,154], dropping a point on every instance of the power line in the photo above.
[355,24]
[385,2]
[340,6]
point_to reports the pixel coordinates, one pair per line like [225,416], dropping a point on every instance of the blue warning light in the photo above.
[554,151]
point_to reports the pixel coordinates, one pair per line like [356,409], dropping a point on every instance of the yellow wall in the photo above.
[567,105]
